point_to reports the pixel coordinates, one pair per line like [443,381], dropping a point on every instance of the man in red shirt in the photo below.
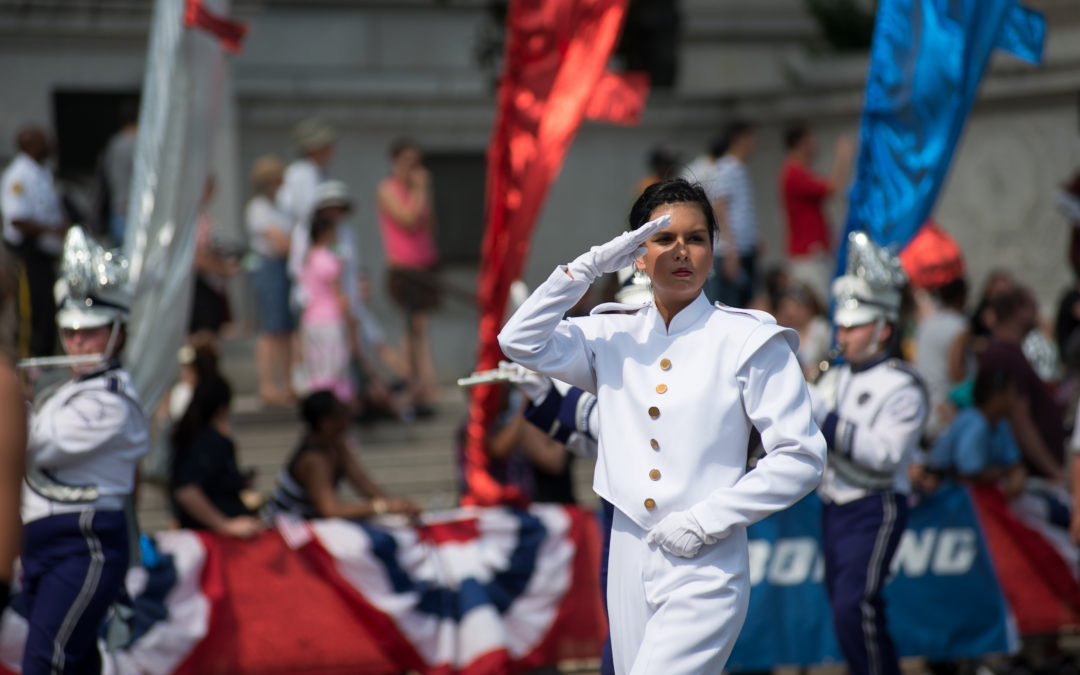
[803,194]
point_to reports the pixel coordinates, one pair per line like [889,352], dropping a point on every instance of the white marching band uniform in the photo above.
[880,413]
[872,415]
[677,405]
[85,438]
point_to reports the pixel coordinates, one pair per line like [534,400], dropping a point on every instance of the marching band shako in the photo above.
[870,288]
[93,291]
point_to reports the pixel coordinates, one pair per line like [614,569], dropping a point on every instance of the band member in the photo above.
[85,438]
[680,384]
[872,410]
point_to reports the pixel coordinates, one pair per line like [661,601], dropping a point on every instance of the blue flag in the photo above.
[926,61]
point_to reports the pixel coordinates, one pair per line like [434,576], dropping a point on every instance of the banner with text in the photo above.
[944,601]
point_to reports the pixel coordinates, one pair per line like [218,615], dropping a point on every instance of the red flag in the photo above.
[229,32]
[1042,591]
[619,98]
[556,53]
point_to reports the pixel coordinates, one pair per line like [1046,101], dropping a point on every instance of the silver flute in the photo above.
[61,361]
[486,377]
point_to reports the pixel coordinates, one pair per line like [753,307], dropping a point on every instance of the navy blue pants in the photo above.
[860,539]
[73,569]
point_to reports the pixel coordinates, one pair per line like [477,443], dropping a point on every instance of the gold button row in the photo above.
[654,412]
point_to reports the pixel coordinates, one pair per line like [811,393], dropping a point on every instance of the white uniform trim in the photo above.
[86,593]
[873,582]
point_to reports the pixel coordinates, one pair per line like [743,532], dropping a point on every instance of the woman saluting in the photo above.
[680,384]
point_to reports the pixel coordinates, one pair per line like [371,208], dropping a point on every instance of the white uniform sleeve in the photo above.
[537,337]
[778,404]
[893,436]
[82,426]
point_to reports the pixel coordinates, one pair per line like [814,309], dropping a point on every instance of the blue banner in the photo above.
[926,61]
[943,603]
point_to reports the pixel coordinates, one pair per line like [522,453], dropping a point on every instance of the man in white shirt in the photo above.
[34,226]
[871,410]
[732,195]
[314,141]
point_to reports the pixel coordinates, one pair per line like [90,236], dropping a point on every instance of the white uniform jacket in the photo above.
[874,416]
[677,403]
[27,192]
[85,438]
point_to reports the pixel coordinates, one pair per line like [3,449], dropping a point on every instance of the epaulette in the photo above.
[756,314]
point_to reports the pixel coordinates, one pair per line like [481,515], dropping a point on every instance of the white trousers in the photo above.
[671,615]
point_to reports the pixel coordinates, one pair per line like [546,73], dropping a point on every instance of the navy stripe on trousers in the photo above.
[860,539]
[74,565]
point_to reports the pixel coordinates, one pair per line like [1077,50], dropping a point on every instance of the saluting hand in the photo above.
[617,253]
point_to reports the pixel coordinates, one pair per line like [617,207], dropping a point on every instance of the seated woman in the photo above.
[308,483]
[978,445]
[206,483]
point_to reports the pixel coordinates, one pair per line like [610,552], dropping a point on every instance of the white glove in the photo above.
[533,385]
[617,253]
[679,534]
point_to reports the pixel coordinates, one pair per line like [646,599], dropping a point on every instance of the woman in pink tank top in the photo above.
[407,223]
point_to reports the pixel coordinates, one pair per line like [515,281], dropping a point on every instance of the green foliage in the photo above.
[847,25]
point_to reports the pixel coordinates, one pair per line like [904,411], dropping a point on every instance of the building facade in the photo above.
[378,70]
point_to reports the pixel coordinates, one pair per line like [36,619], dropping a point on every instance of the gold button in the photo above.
[654,443]
[661,388]
[650,504]
[655,474]
[654,412]
[665,364]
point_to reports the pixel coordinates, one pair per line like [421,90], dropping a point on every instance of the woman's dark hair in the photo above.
[988,382]
[672,191]
[211,395]
[319,227]
[794,134]
[735,130]
[319,406]
[954,294]
[400,145]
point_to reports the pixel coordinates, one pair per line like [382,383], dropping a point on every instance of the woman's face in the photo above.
[679,258]
[407,160]
[336,424]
